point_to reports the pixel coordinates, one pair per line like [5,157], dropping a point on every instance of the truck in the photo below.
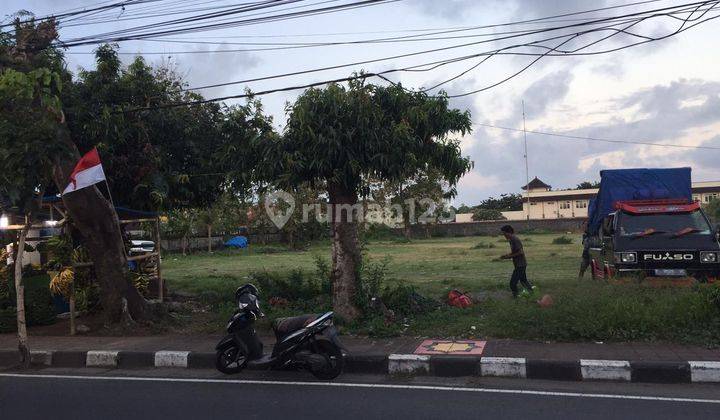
[644,223]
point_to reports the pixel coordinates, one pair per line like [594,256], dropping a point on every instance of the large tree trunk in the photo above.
[20,296]
[346,257]
[97,222]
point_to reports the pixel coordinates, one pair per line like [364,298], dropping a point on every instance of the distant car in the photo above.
[141,247]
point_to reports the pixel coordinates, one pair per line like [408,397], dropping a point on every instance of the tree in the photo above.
[506,202]
[29,114]
[28,53]
[487,214]
[157,159]
[339,137]
[421,197]
[585,185]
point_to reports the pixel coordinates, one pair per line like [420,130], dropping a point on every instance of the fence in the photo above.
[416,231]
[492,227]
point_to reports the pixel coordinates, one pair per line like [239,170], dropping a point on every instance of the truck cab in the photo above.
[656,238]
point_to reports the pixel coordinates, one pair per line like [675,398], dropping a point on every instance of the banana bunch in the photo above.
[61,283]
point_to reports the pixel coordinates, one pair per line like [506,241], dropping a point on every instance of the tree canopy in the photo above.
[163,158]
[343,138]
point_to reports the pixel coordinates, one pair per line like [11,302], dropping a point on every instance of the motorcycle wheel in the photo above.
[334,357]
[230,360]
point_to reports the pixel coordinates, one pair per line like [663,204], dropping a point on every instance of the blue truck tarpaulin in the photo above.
[237,242]
[637,184]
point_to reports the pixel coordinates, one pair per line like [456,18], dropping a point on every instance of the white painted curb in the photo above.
[167,358]
[101,358]
[513,367]
[606,370]
[41,357]
[704,371]
[408,363]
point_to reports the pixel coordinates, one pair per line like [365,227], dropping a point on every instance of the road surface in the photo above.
[45,394]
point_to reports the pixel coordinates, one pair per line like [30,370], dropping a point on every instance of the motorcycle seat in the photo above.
[285,326]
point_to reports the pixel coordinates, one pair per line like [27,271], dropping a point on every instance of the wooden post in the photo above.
[20,296]
[159,258]
[73,331]
[209,227]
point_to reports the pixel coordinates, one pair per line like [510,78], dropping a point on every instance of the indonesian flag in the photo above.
[87,172]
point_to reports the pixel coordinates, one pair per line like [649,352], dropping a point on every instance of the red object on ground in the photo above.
[278,301]
[459,299]
[546,301]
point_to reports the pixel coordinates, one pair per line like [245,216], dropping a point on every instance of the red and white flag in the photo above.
[87,172]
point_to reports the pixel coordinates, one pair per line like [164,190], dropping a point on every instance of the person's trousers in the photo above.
[519,276]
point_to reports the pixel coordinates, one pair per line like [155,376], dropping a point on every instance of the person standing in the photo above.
[517,254]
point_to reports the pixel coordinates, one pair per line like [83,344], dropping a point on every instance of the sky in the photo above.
[666,91]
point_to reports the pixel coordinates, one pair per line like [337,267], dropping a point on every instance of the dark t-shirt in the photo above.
[515,246]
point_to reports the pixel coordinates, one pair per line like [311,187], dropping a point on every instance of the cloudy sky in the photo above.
[666,91]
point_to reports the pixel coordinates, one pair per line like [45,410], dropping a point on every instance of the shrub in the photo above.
[39,309]
[404,300]
[562,240]
[483,245]
[380,232]
[372,277]
[322,273]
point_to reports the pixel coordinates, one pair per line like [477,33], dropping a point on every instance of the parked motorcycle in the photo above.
[307,341]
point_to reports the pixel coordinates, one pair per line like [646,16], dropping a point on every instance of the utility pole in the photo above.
[527,169]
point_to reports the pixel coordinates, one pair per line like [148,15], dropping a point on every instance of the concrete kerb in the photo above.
[605,370]
[408,364]
[102,358]
[704,371]
[437,365]
[509,367]
[167,358]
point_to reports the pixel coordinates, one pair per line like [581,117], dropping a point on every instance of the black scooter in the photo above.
[308,341]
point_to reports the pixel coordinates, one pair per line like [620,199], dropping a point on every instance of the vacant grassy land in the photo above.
[583,309]
[432,265]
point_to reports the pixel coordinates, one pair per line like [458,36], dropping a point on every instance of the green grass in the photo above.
[434,266]
[583,310]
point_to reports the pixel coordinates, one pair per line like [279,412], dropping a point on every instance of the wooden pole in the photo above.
[73,330]
[20,296]
[156,235]
[209,228]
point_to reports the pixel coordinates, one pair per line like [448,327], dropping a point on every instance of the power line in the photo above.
[597,139]
[365,76]
[422,37]
[440,49]
[131,33]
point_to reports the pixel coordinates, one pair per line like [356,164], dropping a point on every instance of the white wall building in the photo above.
[541,202]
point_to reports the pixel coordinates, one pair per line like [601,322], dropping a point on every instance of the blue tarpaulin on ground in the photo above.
[637,184]
[237,242]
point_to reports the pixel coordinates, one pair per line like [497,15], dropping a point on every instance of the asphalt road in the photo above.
[66,395]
